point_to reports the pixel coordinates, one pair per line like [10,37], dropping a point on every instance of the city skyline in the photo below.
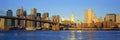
[64,8]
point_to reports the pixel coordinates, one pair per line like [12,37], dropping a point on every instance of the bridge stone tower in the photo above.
[55,19]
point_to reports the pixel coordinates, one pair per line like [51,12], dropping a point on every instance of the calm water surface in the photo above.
[59,35]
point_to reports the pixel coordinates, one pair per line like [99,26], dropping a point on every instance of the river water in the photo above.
[59,35]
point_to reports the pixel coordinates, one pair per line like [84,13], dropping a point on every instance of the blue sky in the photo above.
[64,7]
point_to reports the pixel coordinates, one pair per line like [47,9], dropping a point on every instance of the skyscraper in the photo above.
[33,14]
[19,13]
[33,11]
[24,16]
[45,16]
[88,18]
[38,24]
[9,21]
[72,17]
[88,15]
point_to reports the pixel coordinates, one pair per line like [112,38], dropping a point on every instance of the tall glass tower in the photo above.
[9,21]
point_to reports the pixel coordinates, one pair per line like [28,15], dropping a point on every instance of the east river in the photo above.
[59,35]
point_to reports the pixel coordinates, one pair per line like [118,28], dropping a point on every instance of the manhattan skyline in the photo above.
[64,8]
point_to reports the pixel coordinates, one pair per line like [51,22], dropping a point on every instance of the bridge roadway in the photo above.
[27,19]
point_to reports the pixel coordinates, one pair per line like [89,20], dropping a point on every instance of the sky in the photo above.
[64,8]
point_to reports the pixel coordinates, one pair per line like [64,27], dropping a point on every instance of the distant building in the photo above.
[45,16]
[2,24]
[24,13]
[95,19]
[88,17]
[62,19]
[109,21]
[33,15]
[100,19]
[117,18]
[20,14]
[38,24]
[110,18]
[72,17]
[78,24]
[24,16]
[33,11]
[9,21]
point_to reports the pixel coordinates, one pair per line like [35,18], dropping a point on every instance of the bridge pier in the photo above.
[55,26]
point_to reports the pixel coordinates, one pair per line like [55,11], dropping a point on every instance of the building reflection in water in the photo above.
[79,35]
[72,35]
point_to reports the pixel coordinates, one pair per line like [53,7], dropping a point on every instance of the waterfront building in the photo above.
[110,17]
[88,17]
[118,20]
[2,24]
[78,24]
[109,21]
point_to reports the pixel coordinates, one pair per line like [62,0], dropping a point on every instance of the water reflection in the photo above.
[72,35]
[79,35]
[59,35]
[89,35]
[75,35]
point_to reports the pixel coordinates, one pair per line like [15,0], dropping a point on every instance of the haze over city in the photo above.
[64,8]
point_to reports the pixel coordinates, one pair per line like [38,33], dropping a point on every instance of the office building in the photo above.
[88,18]
[9,21]
[110,17]
[117,18]
[33,11]
[33,16]
[2,24]
[19,13]
[38,24]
